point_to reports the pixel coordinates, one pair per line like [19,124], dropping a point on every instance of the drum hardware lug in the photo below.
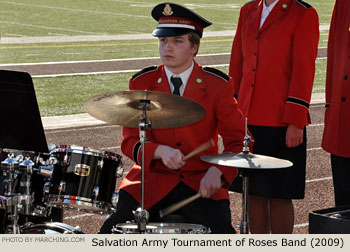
[78,229]
[47,186]
[38,159]
[12,205]
[49,211]
[95,193]
[62,187]
[10,170]
[46,191]
[66,159]
[120,170]
[100,164]
[26,167]
[115,198]
[52,161]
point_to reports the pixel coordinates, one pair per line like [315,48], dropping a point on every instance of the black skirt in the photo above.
[285,183]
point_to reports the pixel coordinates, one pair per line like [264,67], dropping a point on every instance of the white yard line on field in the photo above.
[76,10]
[109,37]
[3,40]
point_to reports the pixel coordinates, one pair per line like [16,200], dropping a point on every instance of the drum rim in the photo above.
[77,149]
[162,227]
[80,203]
[55,226]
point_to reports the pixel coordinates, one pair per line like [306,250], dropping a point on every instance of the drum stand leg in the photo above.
[12,210]
[244,226]
[27,170]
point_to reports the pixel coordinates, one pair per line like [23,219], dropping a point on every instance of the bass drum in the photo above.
[50,228]
[161,228]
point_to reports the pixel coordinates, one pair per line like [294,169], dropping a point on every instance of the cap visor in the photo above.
[170,32]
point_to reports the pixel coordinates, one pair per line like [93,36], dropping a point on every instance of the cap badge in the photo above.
[167,10]
[284,6]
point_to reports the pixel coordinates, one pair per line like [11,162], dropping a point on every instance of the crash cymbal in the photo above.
[164,110]
[249,161]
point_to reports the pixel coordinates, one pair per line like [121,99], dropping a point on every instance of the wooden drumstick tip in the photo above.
[199,149]
[178,205]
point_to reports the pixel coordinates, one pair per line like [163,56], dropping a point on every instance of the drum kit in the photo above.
[150,109]
[68,177]
[79,178]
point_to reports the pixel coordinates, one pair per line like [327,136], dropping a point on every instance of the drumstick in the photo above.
[176,206]
[199,149]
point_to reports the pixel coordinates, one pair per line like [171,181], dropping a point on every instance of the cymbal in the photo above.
[124,108]
[248,161]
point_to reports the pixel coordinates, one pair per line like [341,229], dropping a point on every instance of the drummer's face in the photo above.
[177,53]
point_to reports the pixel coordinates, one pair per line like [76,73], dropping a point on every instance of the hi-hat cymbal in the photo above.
[249,161]
[125,108]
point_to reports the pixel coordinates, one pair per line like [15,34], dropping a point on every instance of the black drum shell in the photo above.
[79,171]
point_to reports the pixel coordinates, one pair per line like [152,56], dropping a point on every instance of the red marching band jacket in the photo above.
[214,91]
[336,135]
[273,67]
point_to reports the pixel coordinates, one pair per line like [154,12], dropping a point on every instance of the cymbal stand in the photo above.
[141,215]
[244,226]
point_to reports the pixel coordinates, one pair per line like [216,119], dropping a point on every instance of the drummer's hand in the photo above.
[211,182]
[172,158]
[294,136]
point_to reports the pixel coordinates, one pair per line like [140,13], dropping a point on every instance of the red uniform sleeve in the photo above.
[236,60]
[330,57]
[305,44]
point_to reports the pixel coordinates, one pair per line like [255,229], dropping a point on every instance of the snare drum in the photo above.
[84,179]
[50,228]
[161,228]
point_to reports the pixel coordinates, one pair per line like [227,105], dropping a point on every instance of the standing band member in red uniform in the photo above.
[272,65]
[168,179]
[336,137]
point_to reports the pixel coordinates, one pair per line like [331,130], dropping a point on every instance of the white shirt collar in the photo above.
[184,77]
[266,11]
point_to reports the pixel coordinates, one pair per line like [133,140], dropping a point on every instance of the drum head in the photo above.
[162,228]
[50,228]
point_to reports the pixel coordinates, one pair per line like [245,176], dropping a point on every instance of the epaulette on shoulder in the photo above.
[217,73]
[304,4]
[252,1]
[144,71]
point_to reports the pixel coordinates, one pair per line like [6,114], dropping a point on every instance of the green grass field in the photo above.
[73,18]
